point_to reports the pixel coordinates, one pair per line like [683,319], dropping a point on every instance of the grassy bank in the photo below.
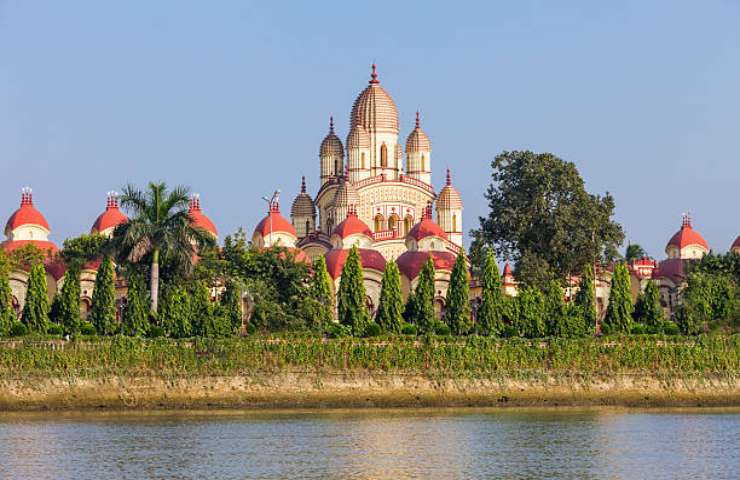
[307,371]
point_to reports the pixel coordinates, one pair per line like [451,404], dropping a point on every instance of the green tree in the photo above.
[159,228]
[351,306]
[542,217]
[25,257]
[707,299]
[135,313]
[531,313]
[423,306]
[647,309]
[322,292]
[7,313]
[585,301]
[557,314]
[634,252]
[177,314]
[36,309]
[232,306]
[103,310]
[492,307]
[85,248]
[457,312]
[67,314]
[207,321]
[390,310]
[619,311]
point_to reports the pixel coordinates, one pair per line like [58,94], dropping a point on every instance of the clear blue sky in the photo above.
[232,98]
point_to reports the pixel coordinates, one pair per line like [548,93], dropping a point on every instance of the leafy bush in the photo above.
[337,330]
[509,331]
[155,331]
[670,328]
[372,330]
[638,329]
[408,329]
[54,329]
[441,328]
[18,329]
[87,328]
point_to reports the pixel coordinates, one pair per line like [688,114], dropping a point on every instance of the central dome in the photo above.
[374,109]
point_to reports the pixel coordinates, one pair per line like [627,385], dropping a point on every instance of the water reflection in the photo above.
[372,444]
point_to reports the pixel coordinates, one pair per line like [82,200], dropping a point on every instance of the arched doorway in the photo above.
[379,223]
[394,223]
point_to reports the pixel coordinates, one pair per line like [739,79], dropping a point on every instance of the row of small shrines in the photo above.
[28,226]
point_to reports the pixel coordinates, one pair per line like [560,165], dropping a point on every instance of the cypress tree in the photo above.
[68,314]
[177,313]
[322,292]
[585,320]
[103,310]
[531,313]
[36,309]
[457,314]
[203,324]
[424,299]
[619,311]
[135,313]
[557,314]
[7,313]
[232,306]
[409,310]
[351,307]
[491,310]
[647,309]
[390,310]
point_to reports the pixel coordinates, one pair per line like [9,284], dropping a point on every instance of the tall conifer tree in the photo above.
[36,309]
[177,313]
[557,318]
[531,313]
[351,307]
[232,306]
[457,313]
[135,313]
[103,310]
[390,310]
[424,315]
[7,313]
[203,322]
[619,311]
[492,307]
[586,301]
[323,292]
[647,309]
[69,301]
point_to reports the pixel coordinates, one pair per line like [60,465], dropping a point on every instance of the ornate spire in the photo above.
[418,119]
[331,124]
[26,196]
[194,203]
[449,177]
[303,184]
[686,220]
[374,76]
[111,200]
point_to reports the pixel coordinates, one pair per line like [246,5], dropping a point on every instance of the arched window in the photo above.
[407,222]
[423,163]
[454,222]
[378,222]
[393,223]
[338,167]
[383,156]
[308,226]
[362,160]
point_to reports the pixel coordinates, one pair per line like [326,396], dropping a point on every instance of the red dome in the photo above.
[26,215]
[199,219]
[278,223]
[352,225]
[411,263]
[736,243]
[370,259]
[110,218]
[687,236]
[427,227]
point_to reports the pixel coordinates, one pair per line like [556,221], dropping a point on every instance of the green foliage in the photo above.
[670,328]
[707,299]
[490,319]
[7,313]
[390,310]
[87,328]
[408,329]
[177,314]
[232,308]
[337,330]
[18,329]
[135,313]
[322,292]
[36,309]
[647,308]
[155,331]
[619,311]
[585,301]
[85,248]
[26,257]
[67,312]
[203,323]
[372,330]
[542,217]
[557,314]
[457,313]
[422,308]
[351,307]
[634,252]
[103,310]
[442,329]
[531,322]
[55,330]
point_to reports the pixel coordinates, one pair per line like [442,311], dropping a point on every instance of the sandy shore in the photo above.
[361,390]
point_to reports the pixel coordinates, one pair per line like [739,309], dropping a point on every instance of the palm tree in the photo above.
[634,252]
[159,228]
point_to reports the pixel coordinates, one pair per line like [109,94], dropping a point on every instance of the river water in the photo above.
[359,444]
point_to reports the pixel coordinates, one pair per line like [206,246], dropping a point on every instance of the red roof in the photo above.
[370,259]
[278,223]
[43,245]
[411,263]
[110,218]
[687,236]
[736,243]
[427,227]
[352,225]
[26,215]
[199,219]
[672,268]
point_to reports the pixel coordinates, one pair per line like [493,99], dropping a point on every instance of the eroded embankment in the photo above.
[361,389]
